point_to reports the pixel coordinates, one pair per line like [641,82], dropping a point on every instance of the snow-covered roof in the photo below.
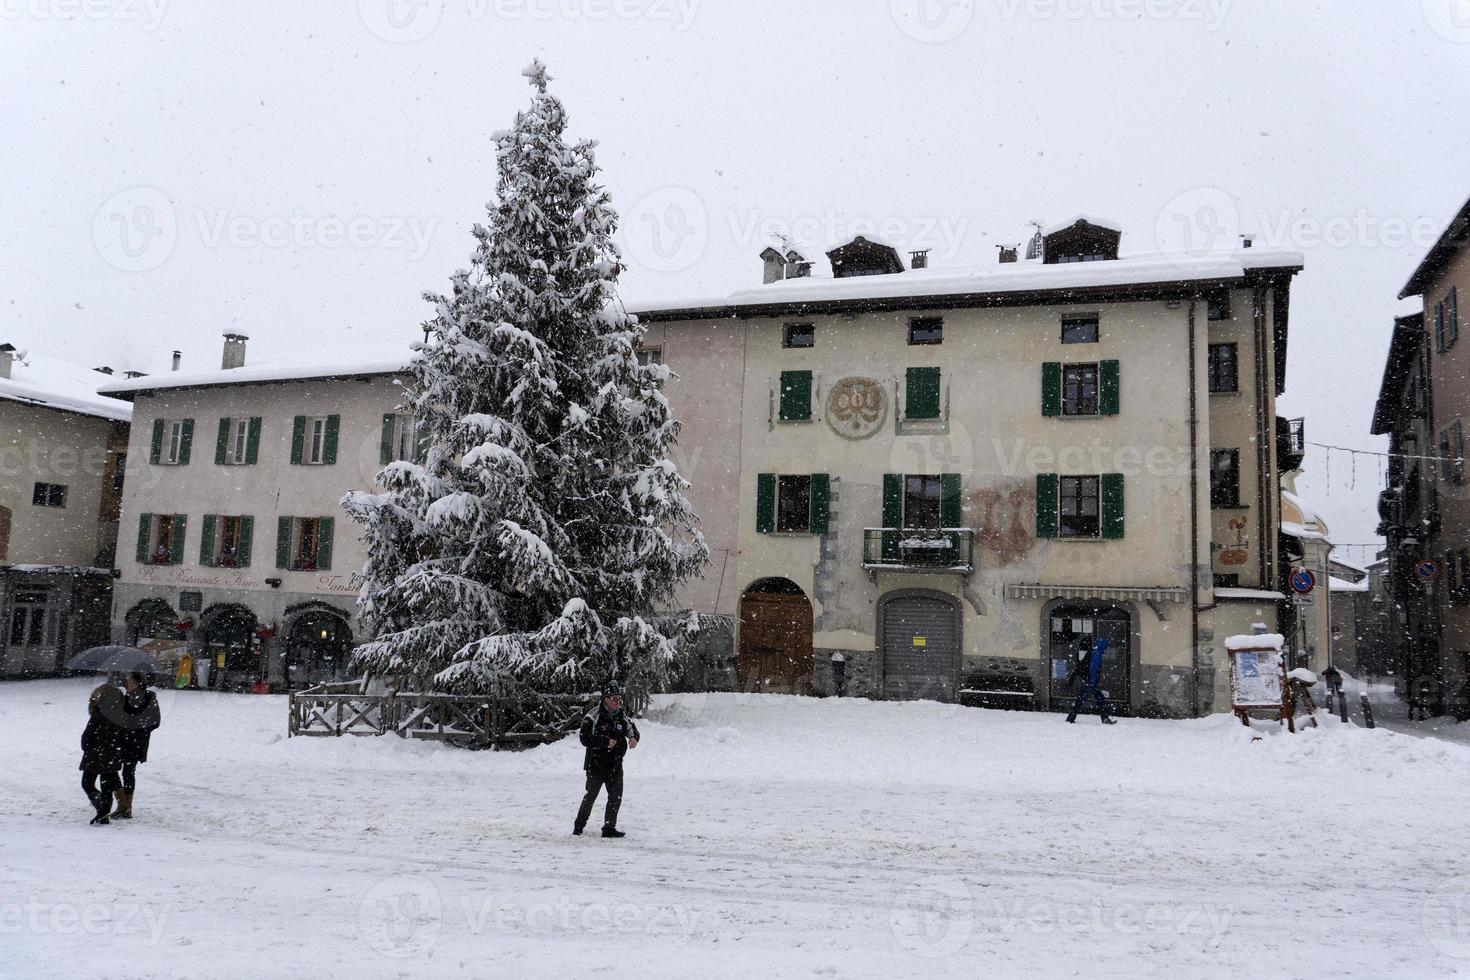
[1261,641]
[60,569]
[992,279]
[384,360]
[1300,521]
[1349,564]
[40,379]
[1232,592]
[1095,222]
[1335,584]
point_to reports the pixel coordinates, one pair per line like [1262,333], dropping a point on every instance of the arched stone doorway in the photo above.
[919,632]
[317,648]
[151,619]
[775,638]
[1068,627]
[228,633]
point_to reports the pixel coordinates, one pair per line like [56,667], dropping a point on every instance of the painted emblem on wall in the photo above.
[857,407]
[1002,529]
[1236,554]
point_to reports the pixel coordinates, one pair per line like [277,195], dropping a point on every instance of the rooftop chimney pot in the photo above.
[919,259]
[178,356]
[234,355]
[7,359]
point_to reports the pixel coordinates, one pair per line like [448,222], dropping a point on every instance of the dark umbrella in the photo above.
[116,659]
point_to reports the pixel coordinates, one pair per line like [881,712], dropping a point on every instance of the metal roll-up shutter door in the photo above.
[921,642]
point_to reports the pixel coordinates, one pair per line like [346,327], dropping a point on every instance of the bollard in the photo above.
[1367,711]
[1342,705]
[839,674]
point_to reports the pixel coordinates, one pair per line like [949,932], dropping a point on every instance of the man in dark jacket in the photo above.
[608,735]
[143,716]
[1088,670]
[102,747]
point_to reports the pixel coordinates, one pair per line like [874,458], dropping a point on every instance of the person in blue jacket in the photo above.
[1088,669]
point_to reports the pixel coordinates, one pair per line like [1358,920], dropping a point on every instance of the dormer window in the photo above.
[1080,241]
[861,257]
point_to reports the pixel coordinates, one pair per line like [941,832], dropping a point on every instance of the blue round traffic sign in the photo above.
[1427,570]
[1303,581]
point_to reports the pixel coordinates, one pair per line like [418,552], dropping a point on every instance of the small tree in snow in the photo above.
[544,523]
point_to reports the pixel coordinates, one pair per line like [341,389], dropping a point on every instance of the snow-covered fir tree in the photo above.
[544,524]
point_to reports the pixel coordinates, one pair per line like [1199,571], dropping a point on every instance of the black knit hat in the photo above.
[611,688]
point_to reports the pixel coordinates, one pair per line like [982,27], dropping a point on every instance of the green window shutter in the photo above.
[176,555]
[1453,315]
[765,503]
[385,447]
[821,502]
[1439,327]
[325,527]
[222,442]
[796,396]
[949,500]
[242,553]
[145,521]
[155,452]
[921,393]
[252,440]
[1047,489]
[298,439]
[1108,374]
[1112,505]
[892,514]
[206,540]
[329,445]
[186,442]
[1051,388]
[283,542]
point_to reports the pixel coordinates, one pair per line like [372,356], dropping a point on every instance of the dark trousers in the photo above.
[596,780]
[1089,691]
[101,798]
[129,776]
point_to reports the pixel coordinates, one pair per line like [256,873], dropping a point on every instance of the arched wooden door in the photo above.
[775,638]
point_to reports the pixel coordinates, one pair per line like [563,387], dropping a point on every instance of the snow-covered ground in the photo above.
[768,836]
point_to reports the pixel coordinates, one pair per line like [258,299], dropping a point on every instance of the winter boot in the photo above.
[576,831]
[1110,721]
[612,832]
[124,809]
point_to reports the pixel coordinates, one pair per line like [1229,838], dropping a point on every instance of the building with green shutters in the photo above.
[951,481]
[233,542]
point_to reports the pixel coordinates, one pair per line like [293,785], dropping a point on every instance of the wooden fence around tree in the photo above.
[467,721]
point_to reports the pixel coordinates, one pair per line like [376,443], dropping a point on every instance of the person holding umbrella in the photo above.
[142,717]
[110,724]
[102,747]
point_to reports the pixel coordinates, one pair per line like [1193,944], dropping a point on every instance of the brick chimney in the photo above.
[234,355]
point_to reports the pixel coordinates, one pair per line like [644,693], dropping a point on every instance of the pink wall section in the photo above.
[708,360]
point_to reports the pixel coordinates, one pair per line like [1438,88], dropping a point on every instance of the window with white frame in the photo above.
[316,444]
[173,441]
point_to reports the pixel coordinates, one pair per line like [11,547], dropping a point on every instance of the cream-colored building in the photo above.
[233,539]
[60,485]
[949,481]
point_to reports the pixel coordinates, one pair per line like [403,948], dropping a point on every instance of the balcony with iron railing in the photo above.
[1291,442]
[914,549]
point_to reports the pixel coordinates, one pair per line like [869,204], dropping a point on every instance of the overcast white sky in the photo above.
[301,172]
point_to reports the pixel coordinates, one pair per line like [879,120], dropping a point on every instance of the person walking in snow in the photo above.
[142,717]
[1088,669]
[608,734]
[102,747]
